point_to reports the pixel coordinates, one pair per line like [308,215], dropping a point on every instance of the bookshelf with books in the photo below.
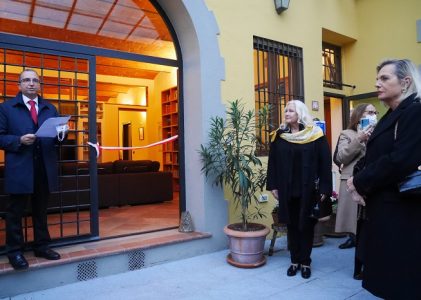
[170,162]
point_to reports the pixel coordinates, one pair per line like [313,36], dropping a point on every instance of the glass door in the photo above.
[66,82]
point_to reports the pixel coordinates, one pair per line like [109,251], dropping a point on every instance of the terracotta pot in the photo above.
[318,234]
[246,246]
[330,228]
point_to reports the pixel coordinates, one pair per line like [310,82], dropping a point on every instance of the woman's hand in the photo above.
[275,193]
[354,194]
[358,198]
[322,197]
[364,134]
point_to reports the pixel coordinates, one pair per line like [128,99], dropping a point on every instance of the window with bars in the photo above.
[332,69]
[278,78]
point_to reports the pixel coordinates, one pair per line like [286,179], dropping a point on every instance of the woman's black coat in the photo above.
[391,235]
[316,163]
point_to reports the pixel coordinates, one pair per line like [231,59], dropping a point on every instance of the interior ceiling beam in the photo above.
[69,16]
[105,19]
[46,32]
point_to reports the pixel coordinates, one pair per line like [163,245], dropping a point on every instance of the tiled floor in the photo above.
[113,221]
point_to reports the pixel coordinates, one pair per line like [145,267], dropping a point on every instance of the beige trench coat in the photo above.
[350,150]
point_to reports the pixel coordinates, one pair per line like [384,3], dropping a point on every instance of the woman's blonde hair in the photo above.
[404,68]
[303,113]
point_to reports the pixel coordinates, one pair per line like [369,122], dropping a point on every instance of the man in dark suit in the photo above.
[30,167]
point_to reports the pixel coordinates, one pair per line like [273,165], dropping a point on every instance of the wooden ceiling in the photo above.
[124,25]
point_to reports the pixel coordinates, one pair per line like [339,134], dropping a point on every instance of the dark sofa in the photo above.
[120,183]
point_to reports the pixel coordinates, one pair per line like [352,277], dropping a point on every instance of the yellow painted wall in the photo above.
[387,29]
[367,30]
[300,25]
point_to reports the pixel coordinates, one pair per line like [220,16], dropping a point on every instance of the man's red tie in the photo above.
[33,111]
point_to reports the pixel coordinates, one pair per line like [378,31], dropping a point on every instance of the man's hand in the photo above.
[28,139]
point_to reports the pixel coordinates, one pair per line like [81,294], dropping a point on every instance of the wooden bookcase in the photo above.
[170,159]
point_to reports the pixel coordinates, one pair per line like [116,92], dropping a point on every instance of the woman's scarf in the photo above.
[307,135]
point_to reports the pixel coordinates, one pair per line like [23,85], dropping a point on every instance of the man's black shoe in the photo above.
[305,272]
[18,262]
[292,270]
[349,243]
[47,254]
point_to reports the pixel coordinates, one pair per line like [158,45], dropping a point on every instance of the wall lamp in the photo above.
[281,5]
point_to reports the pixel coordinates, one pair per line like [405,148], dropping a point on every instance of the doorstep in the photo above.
[102,248]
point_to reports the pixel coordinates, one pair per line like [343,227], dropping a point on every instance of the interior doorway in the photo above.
[127,140]
[334,112]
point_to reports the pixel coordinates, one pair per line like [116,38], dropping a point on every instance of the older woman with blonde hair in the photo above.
[299,158]
[390,237]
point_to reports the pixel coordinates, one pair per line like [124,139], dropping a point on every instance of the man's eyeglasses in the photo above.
[28,80]
[372,112]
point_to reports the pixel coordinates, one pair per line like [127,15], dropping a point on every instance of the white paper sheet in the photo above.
[48,128]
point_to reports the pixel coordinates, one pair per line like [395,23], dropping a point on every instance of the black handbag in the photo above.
[411,185]
[320,209]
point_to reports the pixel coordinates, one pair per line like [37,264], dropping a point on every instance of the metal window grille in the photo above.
[278,78]
[332,68]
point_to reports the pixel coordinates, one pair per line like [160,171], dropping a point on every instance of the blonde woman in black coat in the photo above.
[391,234]
[299,155]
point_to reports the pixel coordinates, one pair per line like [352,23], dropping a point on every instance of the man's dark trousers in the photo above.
[16,208]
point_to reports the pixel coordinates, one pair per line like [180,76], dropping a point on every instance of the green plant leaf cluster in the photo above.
[229,158]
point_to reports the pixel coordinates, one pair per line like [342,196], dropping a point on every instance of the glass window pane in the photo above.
[32,60]
[14,57]
[82,65]
[68,64]
[81,94]
[49,91]
[50,77]
[82,80]
[50,61]
[67,108]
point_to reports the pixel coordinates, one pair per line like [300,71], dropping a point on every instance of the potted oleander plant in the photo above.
[230,161]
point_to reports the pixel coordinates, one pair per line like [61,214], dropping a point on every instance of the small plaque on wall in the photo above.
[141,133]
[315,105]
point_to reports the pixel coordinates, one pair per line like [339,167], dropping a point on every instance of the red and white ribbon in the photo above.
[99,148]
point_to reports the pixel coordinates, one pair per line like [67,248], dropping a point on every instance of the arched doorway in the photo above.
[95,61]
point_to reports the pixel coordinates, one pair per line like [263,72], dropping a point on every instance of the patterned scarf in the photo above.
[307,135]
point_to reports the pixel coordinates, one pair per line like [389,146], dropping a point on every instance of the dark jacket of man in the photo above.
[15,121]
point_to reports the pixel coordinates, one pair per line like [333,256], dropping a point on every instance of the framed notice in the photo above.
[141,133]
